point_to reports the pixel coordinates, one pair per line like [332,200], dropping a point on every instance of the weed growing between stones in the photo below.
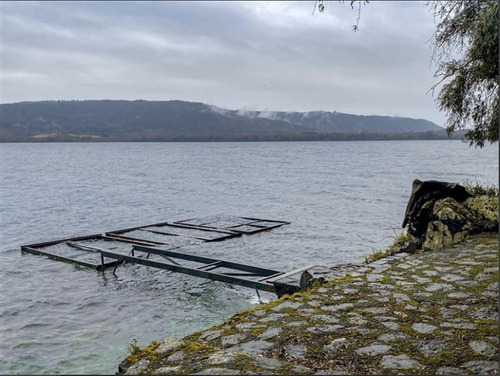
[476,189]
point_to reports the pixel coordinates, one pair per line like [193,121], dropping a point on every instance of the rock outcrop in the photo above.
[441,214]
[451,222]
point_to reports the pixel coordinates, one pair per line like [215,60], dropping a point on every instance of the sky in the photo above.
[236,55]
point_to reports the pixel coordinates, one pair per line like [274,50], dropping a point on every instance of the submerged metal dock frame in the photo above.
[166,239]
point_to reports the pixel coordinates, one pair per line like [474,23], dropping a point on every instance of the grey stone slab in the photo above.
[374,349]
[405,266]
[493,270]
[388,337]
[385,318]
[176,356]
[421,279]
[375,310]
[483,348]
[401,297]
[438,287]
[489,294]
[218,371]
[458,325]
[362,331]
[337,307]
[210,335]
[448,313]
[168,345]
[296,351]
[247,325]
[468,283]
[350,291]
[450,371]
[380,288]
[422,294]
[443,269]
[382,261]
[232,339]
[330,319]
[482,277]
[221,358]
[482,367]
[356,319]
[492,286]
[166,370]
[259,313]
[138,367]
[423,328]
[307,311]
[430,273]
[270,363]
[324,329]
[286,305]
[374,277]
[458,295]
[485,313]
[433,346]
[252,348]
[468,262]
[390,325]
[399,362]
[272,317]
[300,369]
[295,323]
[270,333]
[414,261]
[451,277]
[336,344]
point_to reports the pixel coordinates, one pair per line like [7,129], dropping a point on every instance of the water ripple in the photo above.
[343,198]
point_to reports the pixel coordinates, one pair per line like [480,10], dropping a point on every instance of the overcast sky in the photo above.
[236,55]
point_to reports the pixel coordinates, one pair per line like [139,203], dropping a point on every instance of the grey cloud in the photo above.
[252,55]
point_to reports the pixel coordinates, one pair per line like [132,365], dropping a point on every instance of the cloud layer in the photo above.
[255,55]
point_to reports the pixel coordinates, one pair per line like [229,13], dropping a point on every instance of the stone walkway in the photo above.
[426,313]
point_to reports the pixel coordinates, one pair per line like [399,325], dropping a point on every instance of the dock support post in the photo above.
[258,295]
[102,263]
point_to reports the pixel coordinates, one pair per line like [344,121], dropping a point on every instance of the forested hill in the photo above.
[118,120]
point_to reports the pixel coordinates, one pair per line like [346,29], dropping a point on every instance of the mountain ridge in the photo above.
[145,120]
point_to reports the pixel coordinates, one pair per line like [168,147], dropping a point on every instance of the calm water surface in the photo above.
[343,199]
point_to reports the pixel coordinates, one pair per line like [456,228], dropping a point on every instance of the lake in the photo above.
[343,199]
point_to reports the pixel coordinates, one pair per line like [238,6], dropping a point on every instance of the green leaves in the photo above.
[470,93]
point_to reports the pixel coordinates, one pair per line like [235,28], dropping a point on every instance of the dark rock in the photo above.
[122,367]
[417,214]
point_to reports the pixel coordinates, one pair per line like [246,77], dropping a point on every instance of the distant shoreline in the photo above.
[292,137]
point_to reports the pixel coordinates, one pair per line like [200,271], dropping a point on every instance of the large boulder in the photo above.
[439,214]
[423,195]
[451,222]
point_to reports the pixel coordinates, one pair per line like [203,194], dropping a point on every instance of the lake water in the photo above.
[343,199]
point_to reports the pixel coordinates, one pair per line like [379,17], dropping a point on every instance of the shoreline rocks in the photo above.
[429,306]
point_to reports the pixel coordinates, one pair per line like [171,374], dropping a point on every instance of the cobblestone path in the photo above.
[426,313]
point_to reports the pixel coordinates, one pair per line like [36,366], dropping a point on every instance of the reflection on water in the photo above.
[343,199]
